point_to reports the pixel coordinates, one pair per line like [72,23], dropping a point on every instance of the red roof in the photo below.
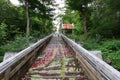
[67,26]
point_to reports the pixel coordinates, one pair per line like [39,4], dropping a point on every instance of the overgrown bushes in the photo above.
[110,49]
[13,46]
[18,44]
[3,33]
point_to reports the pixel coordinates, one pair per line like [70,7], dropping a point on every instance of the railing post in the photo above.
[6,75]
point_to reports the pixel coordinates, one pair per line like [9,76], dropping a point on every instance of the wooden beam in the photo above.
[105,70]
[11,66]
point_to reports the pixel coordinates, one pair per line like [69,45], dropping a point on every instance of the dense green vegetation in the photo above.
[110,50]
[97,26]
[22,25]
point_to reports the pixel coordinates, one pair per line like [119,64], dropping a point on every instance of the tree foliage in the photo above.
[73,17]
[3,32]
[13,23]
[15,18]
[101,17]
[103,20]
[82,7]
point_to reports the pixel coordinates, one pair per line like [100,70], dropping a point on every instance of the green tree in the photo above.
[28,20]
[82,7]
[105,18]
[12,18]
[3,32]
[73,17]
[37,8]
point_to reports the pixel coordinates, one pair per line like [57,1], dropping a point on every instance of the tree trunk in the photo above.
[85,26]
[43,25]
[28,21]
[84,16]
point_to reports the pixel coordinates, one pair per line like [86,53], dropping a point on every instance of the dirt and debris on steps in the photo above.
[56,63]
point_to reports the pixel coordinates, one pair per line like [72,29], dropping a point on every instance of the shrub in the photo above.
[112,45]
[91,44]
[110,48]
[1,58]
[17,45]
[3,32]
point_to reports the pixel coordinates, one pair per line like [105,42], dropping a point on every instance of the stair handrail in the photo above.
[12,60]
[107,71]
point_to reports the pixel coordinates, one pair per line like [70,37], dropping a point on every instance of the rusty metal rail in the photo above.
[95,68]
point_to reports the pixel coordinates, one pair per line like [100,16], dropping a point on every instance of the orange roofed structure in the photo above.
[67,28]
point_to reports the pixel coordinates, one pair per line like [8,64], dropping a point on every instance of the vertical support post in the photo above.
[6,75]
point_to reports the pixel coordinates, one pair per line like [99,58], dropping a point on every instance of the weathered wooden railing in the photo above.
[15,67]
[95,68]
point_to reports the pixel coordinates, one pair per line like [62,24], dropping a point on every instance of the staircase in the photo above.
[56,57]
[55,63]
